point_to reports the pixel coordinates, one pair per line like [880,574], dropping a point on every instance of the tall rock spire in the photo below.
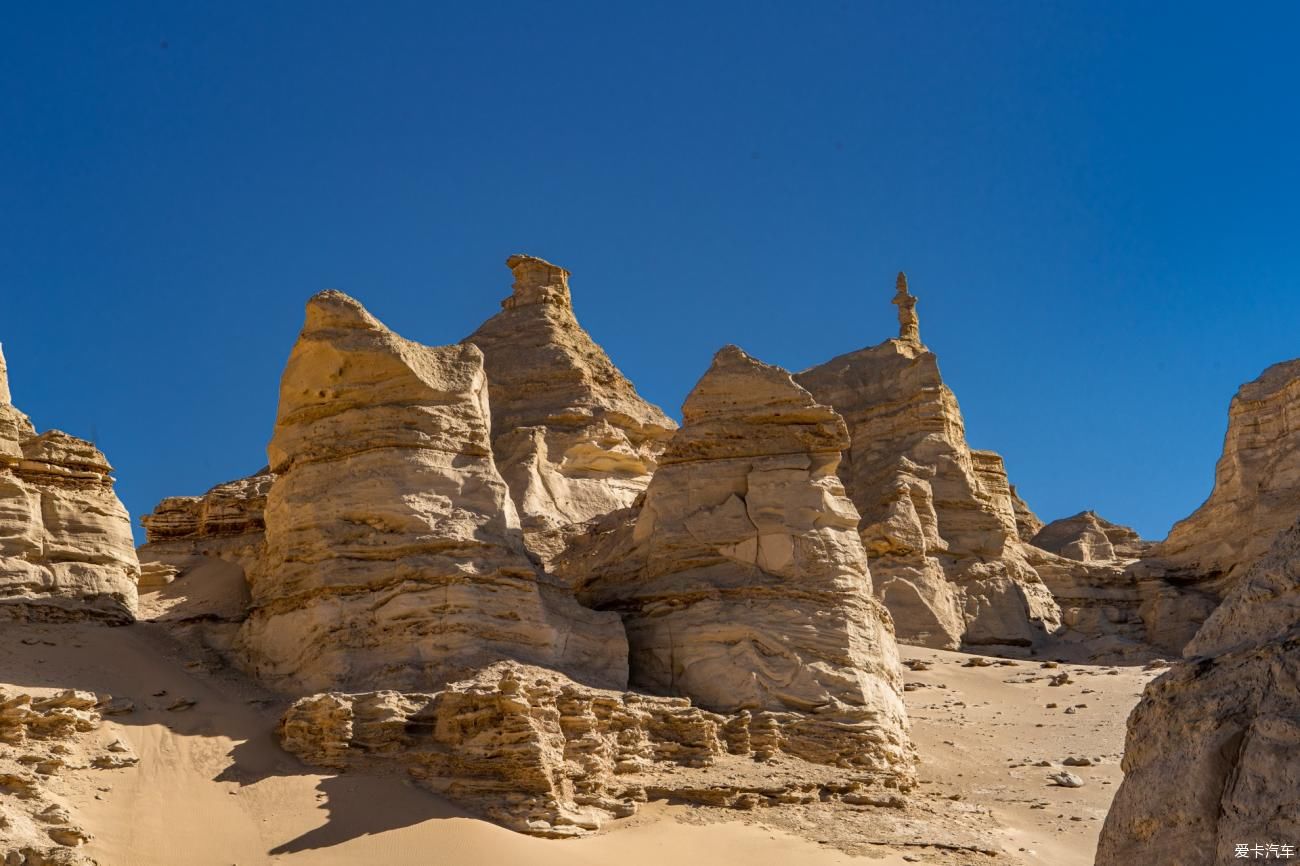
[909,326]
[5,396]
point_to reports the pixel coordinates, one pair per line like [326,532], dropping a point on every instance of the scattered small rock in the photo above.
[1065,779]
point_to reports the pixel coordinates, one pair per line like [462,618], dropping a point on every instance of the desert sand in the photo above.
[213,787]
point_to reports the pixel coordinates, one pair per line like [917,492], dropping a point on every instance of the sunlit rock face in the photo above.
[570,434]
[1256,497]
[66,550]
[939,521]
[228,522]
[741,579]
[394,557]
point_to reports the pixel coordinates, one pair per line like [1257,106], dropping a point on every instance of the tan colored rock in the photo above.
[741,579]
[394,556]
[538,753]
[1213,752]
[571,436]
[230,509]
[43,737]
[938,520]
[1256,483]
[65,538]
[1088,537]
[1028,524]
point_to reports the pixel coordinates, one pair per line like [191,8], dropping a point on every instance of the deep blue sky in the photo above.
[1096,204]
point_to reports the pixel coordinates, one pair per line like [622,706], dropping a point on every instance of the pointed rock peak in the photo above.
[537,281]
[5,396]
[742,407]
[334,309]
[909,326]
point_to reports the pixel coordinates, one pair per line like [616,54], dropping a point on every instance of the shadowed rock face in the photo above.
[570,434]
[741,579]
[393,551]
[938,519]
[1213,751]
[65,538]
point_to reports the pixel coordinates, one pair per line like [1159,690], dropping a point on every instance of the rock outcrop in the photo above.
[1256,492]
[1089,537]
[571,436]
[939,521]
[1088,564]
[1212,759]
[536,752]
[44,737]
[394,557]
[65,538]
[228,522]
[741,579]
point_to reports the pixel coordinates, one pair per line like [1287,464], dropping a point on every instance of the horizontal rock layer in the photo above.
[541,754]
[66,550]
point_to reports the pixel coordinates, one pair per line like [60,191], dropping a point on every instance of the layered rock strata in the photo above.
[228,522]
[571,436]
[1088,564]
[1089,537]
[45,738]
[1212,759]
[939,521]
[1256,496]
[534,751]
[66,550]
[394,557]
[741,579]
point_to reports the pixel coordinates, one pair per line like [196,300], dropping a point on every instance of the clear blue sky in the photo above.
[1096,204]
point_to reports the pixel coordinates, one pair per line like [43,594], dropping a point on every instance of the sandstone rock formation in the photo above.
[394,557]
[43,737]
[1256,492]
[1028,524]
[228,522]
[1087,562]
[570,435]
[534,751]
[741,579]
[938,520]
[65,539]
[1213,752]
[1088,537]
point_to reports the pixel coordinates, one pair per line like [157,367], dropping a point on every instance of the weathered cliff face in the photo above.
[571,436]
[741,579]
[394,557]
[1213,752]
[65,538]
[938,520]
[1256,496]
[1256,492]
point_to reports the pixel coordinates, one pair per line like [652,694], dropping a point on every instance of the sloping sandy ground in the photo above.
[213,788]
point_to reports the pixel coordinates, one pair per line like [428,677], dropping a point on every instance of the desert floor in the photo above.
[213,789]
